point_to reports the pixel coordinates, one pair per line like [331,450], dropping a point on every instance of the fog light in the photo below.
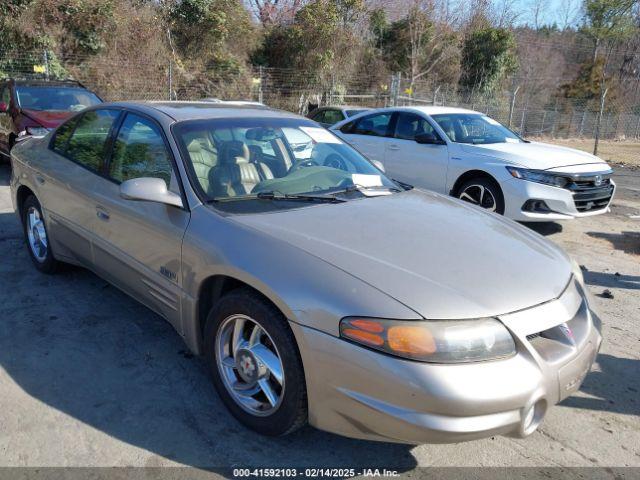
[537,206]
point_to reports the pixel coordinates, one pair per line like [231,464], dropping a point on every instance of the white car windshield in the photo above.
[263,158]
[474,128]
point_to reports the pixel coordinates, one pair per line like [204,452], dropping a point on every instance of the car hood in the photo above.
[48,119]
[439,256]
[538,156]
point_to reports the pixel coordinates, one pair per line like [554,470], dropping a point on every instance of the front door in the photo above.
[421,165]
[138,244]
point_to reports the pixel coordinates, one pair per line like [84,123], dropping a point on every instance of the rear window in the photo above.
[64,99]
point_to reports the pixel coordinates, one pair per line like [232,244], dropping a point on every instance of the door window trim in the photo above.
[426,119]
[77,118]
[172,160]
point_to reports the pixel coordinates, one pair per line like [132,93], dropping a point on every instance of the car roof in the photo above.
[42,82]
[183,110]
[431,110]
[343,107]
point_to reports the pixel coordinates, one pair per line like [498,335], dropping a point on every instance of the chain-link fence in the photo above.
[524,110]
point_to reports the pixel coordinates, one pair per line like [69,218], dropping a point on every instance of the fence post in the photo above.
[260,92]
[513,104]
[584,115]
[599,121]
[435,94]
[637,128]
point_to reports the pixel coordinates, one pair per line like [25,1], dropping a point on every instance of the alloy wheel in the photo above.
[250,365]
[479,195]
[37,234]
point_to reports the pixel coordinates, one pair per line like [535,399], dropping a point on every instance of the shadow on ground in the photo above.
[627,242]
[84,348]
[612,280]
[613,389]
[544,228]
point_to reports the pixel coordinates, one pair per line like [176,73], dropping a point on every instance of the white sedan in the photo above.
[473,157]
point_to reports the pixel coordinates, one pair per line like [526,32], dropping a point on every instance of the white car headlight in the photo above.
[539,176]
[435,341]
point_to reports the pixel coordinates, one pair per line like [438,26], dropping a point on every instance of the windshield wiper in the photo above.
[277,196]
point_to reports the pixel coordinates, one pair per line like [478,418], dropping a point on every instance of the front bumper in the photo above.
[360,393]
[560,201]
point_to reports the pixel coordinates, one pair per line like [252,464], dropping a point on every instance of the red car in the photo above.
[33,107]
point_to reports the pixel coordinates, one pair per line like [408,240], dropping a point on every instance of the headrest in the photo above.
[234,150]
[194,146]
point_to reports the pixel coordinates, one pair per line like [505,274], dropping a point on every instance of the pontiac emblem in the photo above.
[597,181]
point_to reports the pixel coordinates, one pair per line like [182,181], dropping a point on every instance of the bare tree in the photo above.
[568,13]
[271,12]
[538,11]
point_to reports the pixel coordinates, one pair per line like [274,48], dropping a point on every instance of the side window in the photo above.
[139,151]
[409,125]
[87,143]
[333,116]
[376,125]
[61,139]
[319,116]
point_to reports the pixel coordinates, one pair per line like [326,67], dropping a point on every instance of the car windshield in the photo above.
[474,128]
[67,99]
[275,158]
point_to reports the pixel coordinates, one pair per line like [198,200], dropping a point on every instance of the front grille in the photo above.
[591,193]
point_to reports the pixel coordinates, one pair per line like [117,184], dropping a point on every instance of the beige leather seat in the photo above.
[204,158]
[236,174]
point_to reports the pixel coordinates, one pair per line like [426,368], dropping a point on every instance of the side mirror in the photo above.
[428,139]
[149,190]
[378,164]
[4,107]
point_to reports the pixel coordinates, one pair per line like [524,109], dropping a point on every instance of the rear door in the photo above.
[369,134]
[138,244]
[68,176]
[421,165]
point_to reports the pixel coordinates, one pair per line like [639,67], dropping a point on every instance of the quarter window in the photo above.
[376,125]
[409,125]
[87,143]
[140,151]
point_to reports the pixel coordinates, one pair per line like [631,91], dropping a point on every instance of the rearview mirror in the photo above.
[4,108]
[428,139]
[149,190]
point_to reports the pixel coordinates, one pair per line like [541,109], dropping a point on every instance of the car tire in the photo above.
[484,192]
[259,412]
[37,237]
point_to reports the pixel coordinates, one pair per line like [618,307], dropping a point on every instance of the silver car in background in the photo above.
[317,289]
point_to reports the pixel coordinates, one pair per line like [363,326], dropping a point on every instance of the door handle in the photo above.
[394,147]
[102,214]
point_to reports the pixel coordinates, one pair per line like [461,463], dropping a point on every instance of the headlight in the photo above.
[436,341]
[538,176]
[37,131]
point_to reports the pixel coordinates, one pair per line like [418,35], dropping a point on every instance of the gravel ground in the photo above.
[88,377]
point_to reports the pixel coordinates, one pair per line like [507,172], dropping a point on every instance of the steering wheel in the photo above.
[335,161]
[302,163]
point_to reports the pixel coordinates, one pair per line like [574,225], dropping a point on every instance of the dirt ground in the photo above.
[615,152]
[88,377]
